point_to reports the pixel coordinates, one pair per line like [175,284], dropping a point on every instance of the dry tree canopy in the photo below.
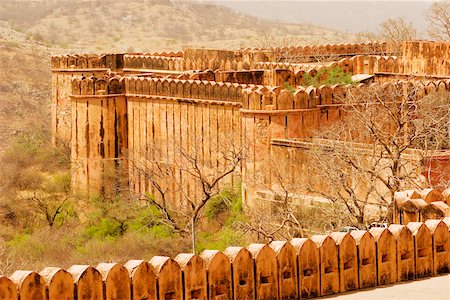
[379,147]
[396,31]
[439,20]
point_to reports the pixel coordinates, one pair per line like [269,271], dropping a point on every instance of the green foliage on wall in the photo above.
[327,76]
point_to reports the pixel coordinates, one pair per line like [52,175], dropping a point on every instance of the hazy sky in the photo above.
[351,16]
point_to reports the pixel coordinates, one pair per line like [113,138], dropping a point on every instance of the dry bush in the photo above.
[439,20]
[396,31]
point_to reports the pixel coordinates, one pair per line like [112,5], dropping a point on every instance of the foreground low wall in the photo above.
[302,268]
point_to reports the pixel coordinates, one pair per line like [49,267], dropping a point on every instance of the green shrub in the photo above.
[289,88]
[327,76]
[107,229]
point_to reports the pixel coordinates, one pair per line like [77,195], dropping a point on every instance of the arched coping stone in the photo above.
[348,262]
[266,271]
[116,279]
[168,274]
[243,272]
[143,278]
[88,282]
[218,268]
[329,267]
[441,246]
[386,255]
[367,253]
[286,256]
[30,285]
[423,248]
[8,290]
[59,283]
[308,267]
[405,251]
[194,275]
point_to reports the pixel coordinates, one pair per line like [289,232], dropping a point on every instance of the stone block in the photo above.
[59,283]
[194,276]
[386,255]
[243,272]
[88,282]
[367,252]
[218,268]
[329,265]
[143,279]
[348,262]
[266,271]
[423,251]
[405,252]
[116,280]
[441,246]
[30,285]
[287,269]
[308,267]
[168,273]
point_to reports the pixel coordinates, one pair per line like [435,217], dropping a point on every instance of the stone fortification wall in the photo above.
[301,268]
[274,120]
[99,134]
[427,58]
[170,116]
[64,69]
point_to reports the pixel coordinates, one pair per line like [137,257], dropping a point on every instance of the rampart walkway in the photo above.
[435,288]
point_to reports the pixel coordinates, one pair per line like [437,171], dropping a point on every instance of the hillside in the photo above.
[147,25]
[24,86]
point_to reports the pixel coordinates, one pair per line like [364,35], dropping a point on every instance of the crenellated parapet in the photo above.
[186,89]
[421,205]
[134,62]
[299,53]
[278,98]
[359,64]
[300,268]
[87,61]
[98,86]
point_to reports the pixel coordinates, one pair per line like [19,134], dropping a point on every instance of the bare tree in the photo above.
[378,148]
[283,211]
[396,31]
[51,206]
[439,20]
[190,179]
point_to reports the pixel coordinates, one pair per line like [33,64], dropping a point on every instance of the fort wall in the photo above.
[65,68]
[276,125]
[427,58]
[99,134]
[309,267]
[206,98]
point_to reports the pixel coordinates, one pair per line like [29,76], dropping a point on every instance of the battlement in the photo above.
[277,98]
[419,206]
[153,62]
[87,61]
[301,268]
[381,48]
[98,86]
[253,97]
